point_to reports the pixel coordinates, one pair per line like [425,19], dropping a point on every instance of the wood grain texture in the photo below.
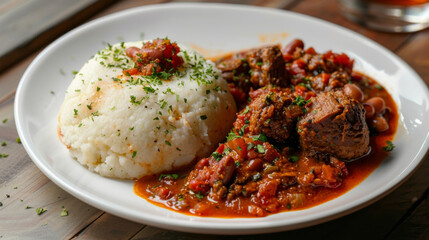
[21,20]
[110,227]
[33,189]
[415,226]
[416,53]
[23,50]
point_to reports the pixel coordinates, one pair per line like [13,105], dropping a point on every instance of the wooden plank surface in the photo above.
[401,214]
[36,16]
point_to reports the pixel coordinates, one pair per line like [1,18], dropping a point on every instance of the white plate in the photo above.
[224,28]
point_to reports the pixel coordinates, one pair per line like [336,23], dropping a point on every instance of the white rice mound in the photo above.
[127,127]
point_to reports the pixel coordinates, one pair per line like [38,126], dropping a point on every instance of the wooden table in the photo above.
[403,214]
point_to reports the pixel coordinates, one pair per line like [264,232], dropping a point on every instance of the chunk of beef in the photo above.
[267,66]
[335,124]
[274,114]
[236,71]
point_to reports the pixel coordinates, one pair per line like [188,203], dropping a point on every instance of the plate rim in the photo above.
[252,228]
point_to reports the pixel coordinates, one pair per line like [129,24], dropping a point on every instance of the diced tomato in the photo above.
[309,95]
[344,60]
[132,71]
[288,58]
[300,90]
[297,67]
[311,51]
[162,192]
[325,78]
[340,59]
[267,190]
[220,149]
[239,146]
[239,95]
[198,186]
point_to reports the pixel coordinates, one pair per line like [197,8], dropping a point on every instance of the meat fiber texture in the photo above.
[127,127]
[335,124]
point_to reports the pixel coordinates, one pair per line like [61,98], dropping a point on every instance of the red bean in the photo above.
[380,124]
[291,47]
[254,165]
[354,92]
[369,110]
[202,163]
[229,167]
[378,103]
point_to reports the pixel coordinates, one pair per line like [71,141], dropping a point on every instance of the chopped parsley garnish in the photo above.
[199,196]
[133,100]
[4,120]
[180,197]
[3,143]
[173,176]
[246,110]
[231,135]
[149,89]
[293,159]
[134,154]
[64,213]
[260,148]
[217,156]
[237,164]
[3,155]
[269,98]
[389,147]
[75,112]
[260,137]
[52,92]
[299,101]
[163,105]
[257,176]
[378,86]
[98,89]
[168,143]
[243,128]
[40,210]
[259,64]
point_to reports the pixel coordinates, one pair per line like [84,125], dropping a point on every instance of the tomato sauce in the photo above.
[255,174]
[358,171]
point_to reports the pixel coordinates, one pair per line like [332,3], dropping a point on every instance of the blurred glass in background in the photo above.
[388,15]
